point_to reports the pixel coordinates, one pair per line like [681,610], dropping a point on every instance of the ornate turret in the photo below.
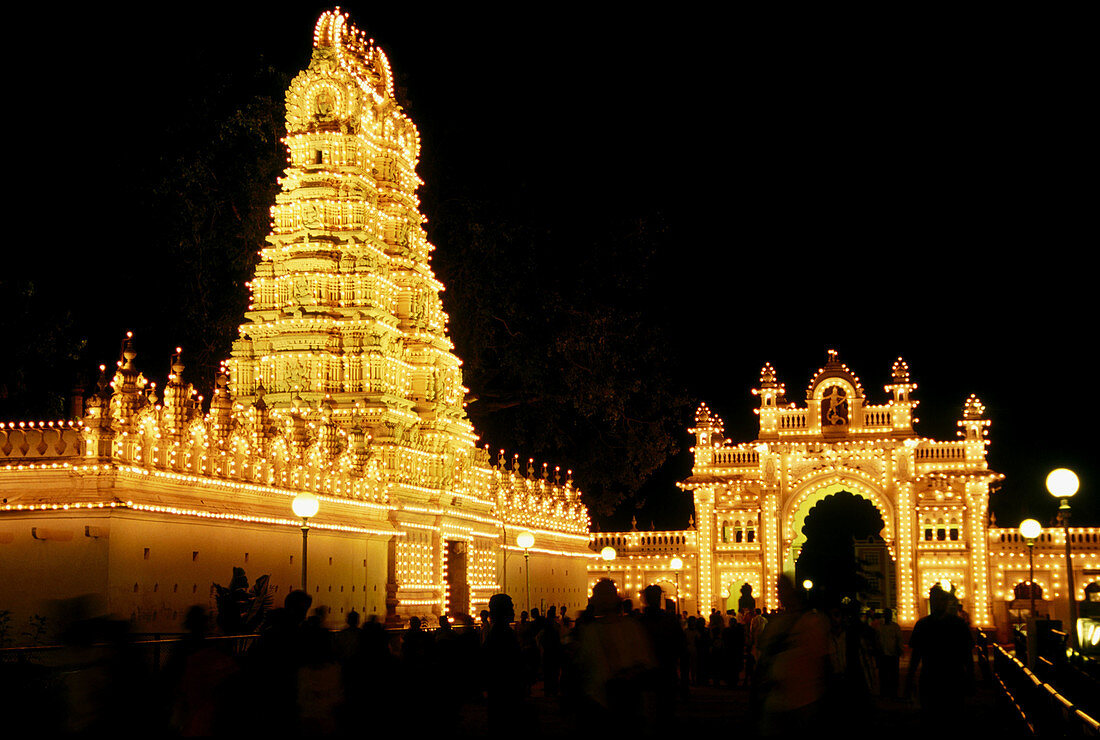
[178,402]
[974,428]
[708,427]
[771,396]
[221,407]
[901,406]
[128,385]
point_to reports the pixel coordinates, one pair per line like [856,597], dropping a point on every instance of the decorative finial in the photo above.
[901,371]
[973,408]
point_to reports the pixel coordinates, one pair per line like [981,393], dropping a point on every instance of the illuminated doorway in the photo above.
[454,577]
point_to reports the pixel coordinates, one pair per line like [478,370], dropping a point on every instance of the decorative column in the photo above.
[906,553]
[977,510]
[705,536]
[974,429]
[770,545]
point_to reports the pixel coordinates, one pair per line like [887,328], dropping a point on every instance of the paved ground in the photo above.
[721,710]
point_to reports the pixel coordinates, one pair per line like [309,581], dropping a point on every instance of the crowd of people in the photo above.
[613,667]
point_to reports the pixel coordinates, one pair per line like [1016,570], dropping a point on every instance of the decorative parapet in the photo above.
[32,441]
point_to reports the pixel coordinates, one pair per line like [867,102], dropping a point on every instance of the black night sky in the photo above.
[883,186]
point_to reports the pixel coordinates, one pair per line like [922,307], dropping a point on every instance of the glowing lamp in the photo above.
[526,540]
[608,553]
[1030,529]
[305,505]
[1062,483]
[677,563]
[807,584]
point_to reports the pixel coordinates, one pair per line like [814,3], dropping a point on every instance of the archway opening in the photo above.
[739,596]
[828,556]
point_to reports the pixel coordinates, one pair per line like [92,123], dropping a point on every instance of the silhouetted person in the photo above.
[667,641]
[551,647]
[941,647]
[106,689]
[746,602]
[792,669]
[528,632]
[756,625]
[889,654]
[503,672]
[349,645]
[733,651]
[857,672]
[320,680]
[415,646]
[614,657]
[271,668]
[198,674]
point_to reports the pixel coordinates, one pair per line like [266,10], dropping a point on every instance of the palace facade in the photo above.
[753,498]
[343,384]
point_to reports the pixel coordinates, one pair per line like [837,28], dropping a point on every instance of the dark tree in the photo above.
[565,360]
[209,198]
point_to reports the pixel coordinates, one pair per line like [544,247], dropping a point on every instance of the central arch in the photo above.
[842,532]
[816,491]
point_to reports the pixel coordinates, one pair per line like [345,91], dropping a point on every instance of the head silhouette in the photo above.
[605,597]
[501,609]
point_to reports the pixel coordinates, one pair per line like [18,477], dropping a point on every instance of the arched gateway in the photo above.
[839,442]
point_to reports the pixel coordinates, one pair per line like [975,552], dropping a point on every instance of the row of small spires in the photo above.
[501,463]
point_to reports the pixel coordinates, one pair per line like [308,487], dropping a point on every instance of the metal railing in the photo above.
[1038,708]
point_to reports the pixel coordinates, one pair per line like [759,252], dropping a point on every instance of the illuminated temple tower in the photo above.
[346,320]
[342,384]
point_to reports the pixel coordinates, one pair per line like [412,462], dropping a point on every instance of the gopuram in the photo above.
[752,500]
[343,384]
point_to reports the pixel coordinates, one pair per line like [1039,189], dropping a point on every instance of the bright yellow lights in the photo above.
[1062,483]
[798,460]
[305,505]
[343,390]
[1030,528]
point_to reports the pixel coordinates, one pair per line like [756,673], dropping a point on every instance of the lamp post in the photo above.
[608,554]
[677,564]
[1030,529]
[305,505]
[1062,483]
[526,540]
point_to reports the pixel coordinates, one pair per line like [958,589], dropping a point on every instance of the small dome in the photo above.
[973,408]
[901,371]
[767,376]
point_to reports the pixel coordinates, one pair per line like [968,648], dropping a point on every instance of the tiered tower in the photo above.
[346,312]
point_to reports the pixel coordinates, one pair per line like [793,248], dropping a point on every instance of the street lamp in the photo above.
[1062,483]
[1030,529]
[526,540]
[608,554]
[305,505]
[677,564]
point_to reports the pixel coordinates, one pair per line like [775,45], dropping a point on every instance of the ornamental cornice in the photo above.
[869,470]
